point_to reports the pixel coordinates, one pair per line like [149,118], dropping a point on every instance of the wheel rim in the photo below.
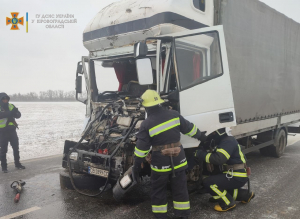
[281,144]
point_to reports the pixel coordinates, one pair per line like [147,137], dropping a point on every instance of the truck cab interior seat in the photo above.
[135,89]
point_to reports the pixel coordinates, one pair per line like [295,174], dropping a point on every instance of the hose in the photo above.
[126,136]
[109,162]
[75,149]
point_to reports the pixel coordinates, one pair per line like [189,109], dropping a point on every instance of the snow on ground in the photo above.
[44,126]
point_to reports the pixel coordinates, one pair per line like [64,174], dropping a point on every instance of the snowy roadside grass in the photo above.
[44,126]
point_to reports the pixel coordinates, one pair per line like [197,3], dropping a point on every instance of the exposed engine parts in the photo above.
[113,125]
[115,122]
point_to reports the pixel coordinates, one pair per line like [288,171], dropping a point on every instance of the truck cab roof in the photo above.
[126,22]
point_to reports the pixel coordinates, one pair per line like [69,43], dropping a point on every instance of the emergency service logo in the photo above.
[15,21]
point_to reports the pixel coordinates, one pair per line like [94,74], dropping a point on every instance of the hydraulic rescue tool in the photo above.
[17,186]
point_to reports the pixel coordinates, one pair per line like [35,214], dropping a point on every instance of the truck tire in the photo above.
[279,146]
[82,181]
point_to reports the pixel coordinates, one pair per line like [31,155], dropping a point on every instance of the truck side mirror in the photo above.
[78,83]
[144,71]
[140,50]
[79,68]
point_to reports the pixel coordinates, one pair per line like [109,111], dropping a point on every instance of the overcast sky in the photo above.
[44,58]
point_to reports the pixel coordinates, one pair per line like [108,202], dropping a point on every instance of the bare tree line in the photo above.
[49,95]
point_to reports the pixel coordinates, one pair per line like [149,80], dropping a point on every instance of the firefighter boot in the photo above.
[19,166]
[213,200]
[222,207]
[243,195]
[248,197]
[225,204]
[3,163]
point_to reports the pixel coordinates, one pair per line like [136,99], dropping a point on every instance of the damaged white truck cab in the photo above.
[198,54]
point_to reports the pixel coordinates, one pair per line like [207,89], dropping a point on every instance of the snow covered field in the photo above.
[44,126]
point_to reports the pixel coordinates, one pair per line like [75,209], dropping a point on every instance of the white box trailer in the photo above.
[263,52]
[221,63]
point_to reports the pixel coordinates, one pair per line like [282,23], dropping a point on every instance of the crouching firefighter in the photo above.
[161,130]
[225,187]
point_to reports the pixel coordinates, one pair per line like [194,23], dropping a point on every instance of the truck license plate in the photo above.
[98,172]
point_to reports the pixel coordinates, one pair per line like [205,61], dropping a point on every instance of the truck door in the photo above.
[201,67]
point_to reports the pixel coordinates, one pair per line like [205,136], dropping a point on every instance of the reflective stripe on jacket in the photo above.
[4,120]
[163,127]
[228,152]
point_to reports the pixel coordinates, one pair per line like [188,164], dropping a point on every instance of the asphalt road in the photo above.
[276,183]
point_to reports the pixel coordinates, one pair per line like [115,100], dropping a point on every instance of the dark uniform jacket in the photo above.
[228,152]
[160,128]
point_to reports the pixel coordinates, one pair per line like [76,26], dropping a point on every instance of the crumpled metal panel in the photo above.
[263,49]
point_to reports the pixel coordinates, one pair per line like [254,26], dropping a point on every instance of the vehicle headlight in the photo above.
[125,181]
[73,156]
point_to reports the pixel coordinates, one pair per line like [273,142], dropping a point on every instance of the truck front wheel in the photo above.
[279,146]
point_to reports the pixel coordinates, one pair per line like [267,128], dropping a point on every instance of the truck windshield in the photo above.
[198,59]
[106,78]
[119,76]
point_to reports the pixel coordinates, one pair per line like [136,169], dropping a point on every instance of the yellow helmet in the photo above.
[151,98]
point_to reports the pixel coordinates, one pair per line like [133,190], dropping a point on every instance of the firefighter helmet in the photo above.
[151,98]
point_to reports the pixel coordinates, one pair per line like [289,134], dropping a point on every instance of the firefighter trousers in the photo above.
[180,194]
[226,190]
[5,138]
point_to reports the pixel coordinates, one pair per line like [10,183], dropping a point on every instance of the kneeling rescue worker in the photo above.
[226,186]
[161,130]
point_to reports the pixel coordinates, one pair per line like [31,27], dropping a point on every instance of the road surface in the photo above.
[275,181]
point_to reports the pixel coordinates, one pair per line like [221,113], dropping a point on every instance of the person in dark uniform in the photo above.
[8,125]
[161,130]
[226,186]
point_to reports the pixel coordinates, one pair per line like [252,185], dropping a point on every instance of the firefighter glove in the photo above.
[135,172]
[200,154]
[202,137]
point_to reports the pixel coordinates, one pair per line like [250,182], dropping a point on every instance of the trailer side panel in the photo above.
[263,49]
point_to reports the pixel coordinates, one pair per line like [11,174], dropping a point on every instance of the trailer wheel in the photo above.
[279,146]
[82,181]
